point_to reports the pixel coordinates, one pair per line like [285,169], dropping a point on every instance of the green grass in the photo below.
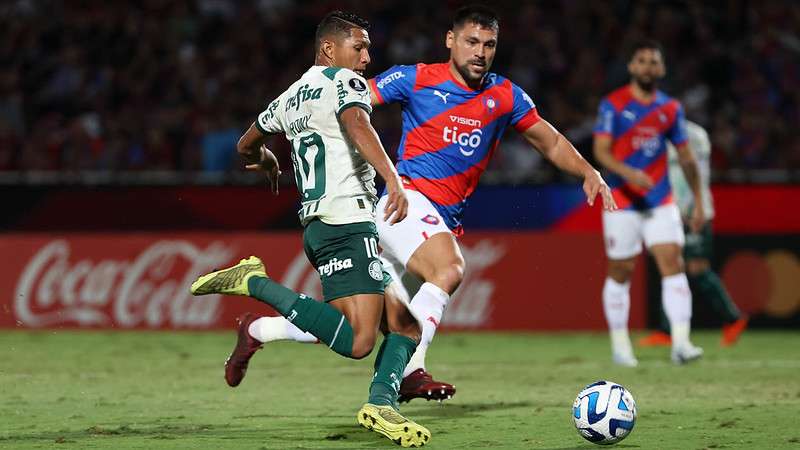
[165,390]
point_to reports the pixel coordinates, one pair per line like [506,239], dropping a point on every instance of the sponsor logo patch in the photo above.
[334,265]
[389,78]
[376,270]
[357,85]
[431,219]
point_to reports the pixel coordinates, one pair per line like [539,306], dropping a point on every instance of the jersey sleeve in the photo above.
[523,113]
[395,84]
[677,133]
[605,119]
[351,90]
[268,121]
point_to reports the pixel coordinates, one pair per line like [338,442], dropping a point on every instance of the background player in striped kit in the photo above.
[633,125]
[697,252]
[453,116]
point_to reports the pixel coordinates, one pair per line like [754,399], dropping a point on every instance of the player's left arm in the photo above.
[678,135]
[691,170]
[557,148]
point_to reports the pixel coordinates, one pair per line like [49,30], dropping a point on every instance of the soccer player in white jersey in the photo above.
[698,251]
[336,151]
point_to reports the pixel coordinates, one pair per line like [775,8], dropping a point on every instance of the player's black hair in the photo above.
[645,44]
[338,22]
[481,15]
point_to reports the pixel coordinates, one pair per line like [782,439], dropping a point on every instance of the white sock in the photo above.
[617,305]
[268,329]
[676,299]
[428,304]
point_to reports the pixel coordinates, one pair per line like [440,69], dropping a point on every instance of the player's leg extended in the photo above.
[439,262]
[380,412]
[249,278]
[622,233]
[706,285]
[423,246]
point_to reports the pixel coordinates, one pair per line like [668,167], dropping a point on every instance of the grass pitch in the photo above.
[156,390]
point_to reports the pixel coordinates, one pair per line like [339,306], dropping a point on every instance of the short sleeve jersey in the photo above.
[336,184]
[450,131]
[639,134]
[700,144]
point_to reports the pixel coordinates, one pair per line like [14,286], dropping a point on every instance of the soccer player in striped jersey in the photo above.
[453,116]
[633,126]
[697,252]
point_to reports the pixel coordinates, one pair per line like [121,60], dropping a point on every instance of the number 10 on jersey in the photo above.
[309,166]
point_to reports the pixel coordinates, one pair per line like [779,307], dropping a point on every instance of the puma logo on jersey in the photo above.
[334,265]
[440,95]
[628,115]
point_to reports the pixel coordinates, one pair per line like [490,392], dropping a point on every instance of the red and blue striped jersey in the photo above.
[450,131]
[639,135]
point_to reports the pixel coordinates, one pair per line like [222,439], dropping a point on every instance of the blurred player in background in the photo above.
[698,252]
[453,116]
[633,125]
[325,115]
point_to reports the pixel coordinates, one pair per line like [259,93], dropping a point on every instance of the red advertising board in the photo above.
[514,281]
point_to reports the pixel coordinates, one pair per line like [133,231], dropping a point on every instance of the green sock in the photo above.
[708,286]
[272,293]
[392,358]
[322,320]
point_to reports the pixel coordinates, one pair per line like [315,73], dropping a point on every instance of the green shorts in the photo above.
[346,257]
[698,245]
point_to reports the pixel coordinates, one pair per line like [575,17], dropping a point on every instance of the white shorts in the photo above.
[401,240]
[625,230]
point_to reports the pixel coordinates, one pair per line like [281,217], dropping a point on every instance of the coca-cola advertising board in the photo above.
[513,281]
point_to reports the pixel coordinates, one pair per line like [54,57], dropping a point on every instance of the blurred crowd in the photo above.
[170,85]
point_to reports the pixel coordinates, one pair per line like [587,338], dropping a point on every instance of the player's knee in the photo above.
[411,330]
[362,346]
[621,271]
[449,276]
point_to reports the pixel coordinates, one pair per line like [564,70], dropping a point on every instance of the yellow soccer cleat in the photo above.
[388,422]
[230,281]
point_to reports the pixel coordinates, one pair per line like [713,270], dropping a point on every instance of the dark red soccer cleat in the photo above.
[420,384]
[246,346]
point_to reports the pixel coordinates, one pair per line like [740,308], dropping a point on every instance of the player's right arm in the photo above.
[353,111]
[252,149]
[603,140]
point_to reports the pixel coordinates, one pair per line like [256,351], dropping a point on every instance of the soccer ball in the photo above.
[604,412]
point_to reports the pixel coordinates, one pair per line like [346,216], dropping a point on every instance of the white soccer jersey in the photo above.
[701,146]
[336,183]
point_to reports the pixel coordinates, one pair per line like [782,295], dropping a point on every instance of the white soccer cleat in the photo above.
[625,360]
[686,353]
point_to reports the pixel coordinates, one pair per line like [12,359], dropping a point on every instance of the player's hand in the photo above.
[698,218]
[396,203]
[640,179]
[269,165]
[593,184]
